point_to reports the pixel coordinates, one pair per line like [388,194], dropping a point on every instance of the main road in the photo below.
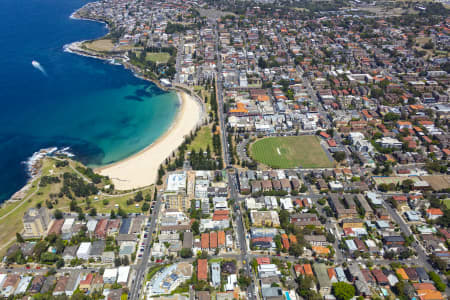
[232,180]
[141,270]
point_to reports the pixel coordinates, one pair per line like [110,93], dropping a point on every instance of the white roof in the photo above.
[84,248]
[123,274]
[110,273]
[351,245]
[286,203]
[2,278]
[370,243]
[91,224]
[68,223]
[176,181]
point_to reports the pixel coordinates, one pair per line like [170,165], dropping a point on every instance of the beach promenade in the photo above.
[141,169]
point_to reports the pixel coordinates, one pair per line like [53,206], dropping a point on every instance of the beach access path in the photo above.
[141,169]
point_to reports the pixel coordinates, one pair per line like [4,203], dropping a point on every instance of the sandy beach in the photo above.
[141,169]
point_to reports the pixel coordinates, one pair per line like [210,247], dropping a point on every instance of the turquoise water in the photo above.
[101,111]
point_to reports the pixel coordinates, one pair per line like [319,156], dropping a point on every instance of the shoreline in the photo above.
[141,169]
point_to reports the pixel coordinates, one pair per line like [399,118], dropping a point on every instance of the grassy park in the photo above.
[49,194]
[158,57]
[202,140]
[290,152]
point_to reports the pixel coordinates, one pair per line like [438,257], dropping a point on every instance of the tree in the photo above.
[196,227]
[60,263]
[437,281]
[93,212]
[138,197]
[339,156]
[343,290]
[407,185]
[296,250]
[303,189]
[145,206]
[58,214]
[19,238]
[186,253]
[243,280]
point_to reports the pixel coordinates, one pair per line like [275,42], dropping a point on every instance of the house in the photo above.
[202,295]
[393,240]
[305,219]
[97,248]
[9,285]
[97,283]
[70,252]
[84,250]
[100,230]
[72,282]
[23,285]
[115,294]
[352,223]
[48,285]
[316,240]
[205,241]
[272,293]
[402,274]
[108,257]
[389,143]
[60,287]
[35,222]
[380,277]
[110,276]
[322,276]
[85,284]
[123,273]
[434,213]
[215,274]
[332,275]
[36,284]
[304,269]
[412,274]
[202,269]
[265,218]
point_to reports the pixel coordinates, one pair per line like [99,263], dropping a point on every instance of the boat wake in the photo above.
[38,66]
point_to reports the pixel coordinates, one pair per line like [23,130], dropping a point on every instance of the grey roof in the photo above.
[48,284]
[271,292]
[73,281]
[70,251]
[97,248]
[322,275]
[187,239]
[125,227]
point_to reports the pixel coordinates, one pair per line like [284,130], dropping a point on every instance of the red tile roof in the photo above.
[213,240]
[205,241]
[221,238]
[263,260]
[202,269]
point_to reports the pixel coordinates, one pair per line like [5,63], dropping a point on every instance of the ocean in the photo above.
[101,111]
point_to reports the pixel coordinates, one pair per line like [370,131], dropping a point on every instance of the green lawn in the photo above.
[11,213]
[447,203]
[202,140]
[158,57]
[290,152]
[121,201]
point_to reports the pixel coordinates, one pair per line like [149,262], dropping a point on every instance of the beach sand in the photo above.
[141,169]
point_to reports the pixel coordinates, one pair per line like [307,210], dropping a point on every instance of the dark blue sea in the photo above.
[101,111]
